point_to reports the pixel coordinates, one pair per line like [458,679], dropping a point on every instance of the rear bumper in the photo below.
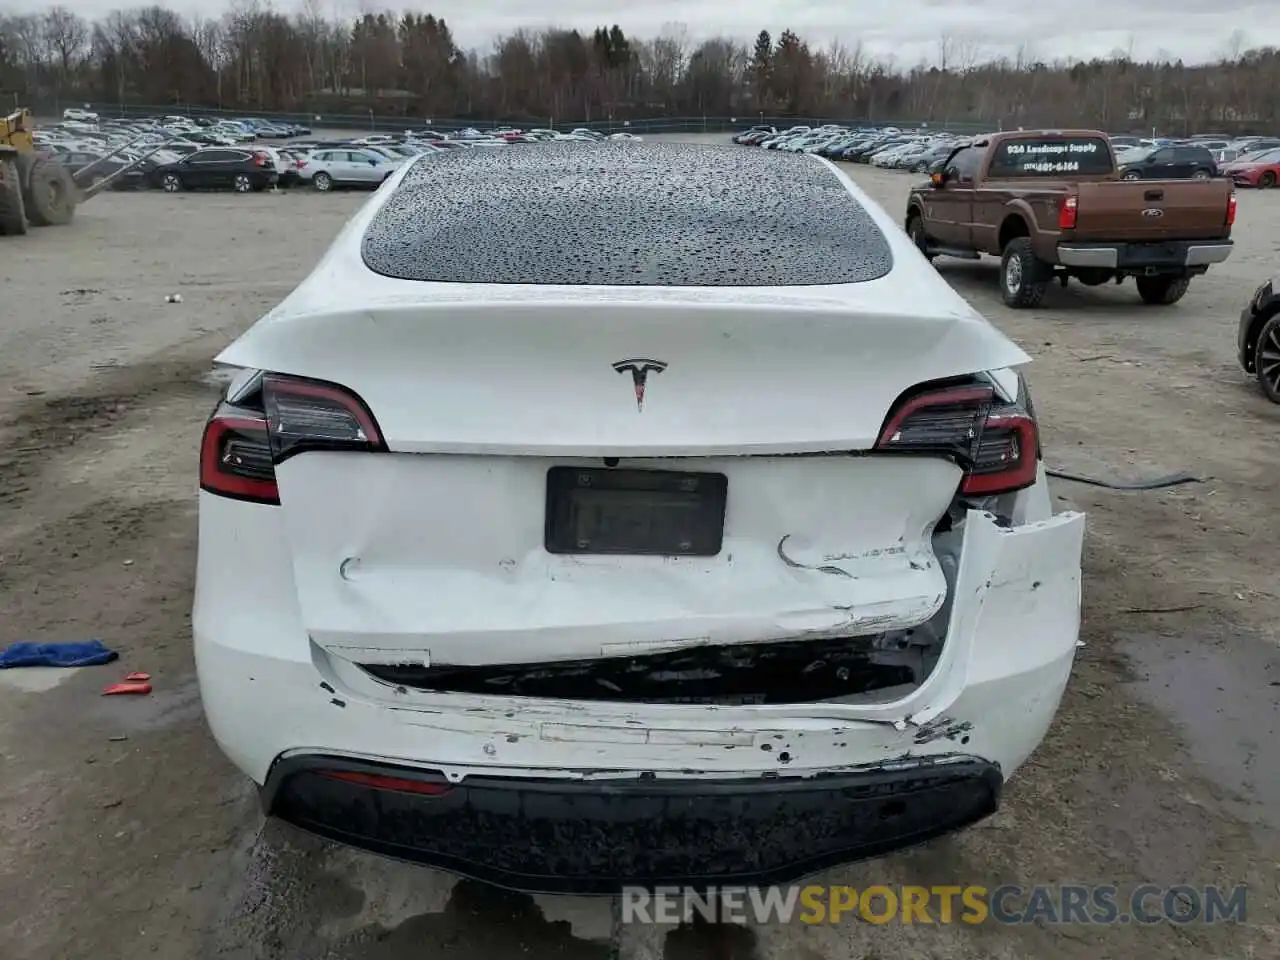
[740,793]
[584,837]
[1145,257]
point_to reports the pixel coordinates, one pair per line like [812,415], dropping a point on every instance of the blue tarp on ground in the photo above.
[84,653]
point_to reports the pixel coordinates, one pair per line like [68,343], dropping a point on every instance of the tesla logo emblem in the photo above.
[1153,212]
[640,370]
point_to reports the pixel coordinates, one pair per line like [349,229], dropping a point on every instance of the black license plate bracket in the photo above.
[635,512]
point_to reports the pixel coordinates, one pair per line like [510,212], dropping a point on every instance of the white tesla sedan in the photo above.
[628,513]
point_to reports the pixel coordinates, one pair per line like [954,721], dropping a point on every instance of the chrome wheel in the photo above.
[242,183]
[323,182]
[1200,175]
[172,182]
[1013,275]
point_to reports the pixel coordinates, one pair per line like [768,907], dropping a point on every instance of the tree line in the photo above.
[256,59]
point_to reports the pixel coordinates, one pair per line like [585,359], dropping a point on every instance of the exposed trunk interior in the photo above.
[795,671]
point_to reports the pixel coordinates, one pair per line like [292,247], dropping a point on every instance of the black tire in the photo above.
[322,182]
[1267,180]
[1023,278]
[171,182]
[1267,359]
[915,230]
[1202,175]
[49,193]
[13,214]
[1162,291]
[1131,175]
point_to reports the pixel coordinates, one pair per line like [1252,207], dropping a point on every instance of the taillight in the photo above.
[259,160]
[241,448]
[1068,212]
[1231,209]
[235,458]
[997,444]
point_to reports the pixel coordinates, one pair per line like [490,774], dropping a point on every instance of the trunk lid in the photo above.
[1119,210]
[437,552]
[560,378]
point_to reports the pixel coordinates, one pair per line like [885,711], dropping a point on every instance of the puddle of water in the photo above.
[1227,701]
[478,921]
[37,679]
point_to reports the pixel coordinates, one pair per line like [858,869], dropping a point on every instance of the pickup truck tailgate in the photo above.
[1137,210]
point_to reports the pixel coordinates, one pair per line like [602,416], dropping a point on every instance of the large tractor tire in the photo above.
[13,215]
[48,191]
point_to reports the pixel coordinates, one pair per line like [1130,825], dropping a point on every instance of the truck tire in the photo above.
[13,214]
[1023,278]
[1161,291]
[915,230]
[49,193]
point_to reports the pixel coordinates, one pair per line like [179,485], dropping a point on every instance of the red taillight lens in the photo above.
[996,443]
[241,448]
[1068,212]
[1231,210]
[235,459]
[259,160]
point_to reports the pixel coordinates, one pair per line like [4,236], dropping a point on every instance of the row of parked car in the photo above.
[176,153]
[888,147]
[1249,161]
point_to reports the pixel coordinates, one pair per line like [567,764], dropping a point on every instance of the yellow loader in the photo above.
[33,189]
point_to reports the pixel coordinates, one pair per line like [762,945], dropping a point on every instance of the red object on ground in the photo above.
[135,687]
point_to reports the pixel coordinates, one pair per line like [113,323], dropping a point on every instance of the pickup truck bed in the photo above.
[1091,226]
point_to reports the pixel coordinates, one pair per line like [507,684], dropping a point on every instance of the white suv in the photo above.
[626,512]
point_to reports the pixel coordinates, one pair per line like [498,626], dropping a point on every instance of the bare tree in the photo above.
[67,36]
[353,57]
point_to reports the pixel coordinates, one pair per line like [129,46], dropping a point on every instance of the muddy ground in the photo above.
[124,833]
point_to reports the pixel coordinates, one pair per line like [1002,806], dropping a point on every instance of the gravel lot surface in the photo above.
[124,833]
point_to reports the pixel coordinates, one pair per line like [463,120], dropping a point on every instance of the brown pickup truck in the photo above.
[1051,204]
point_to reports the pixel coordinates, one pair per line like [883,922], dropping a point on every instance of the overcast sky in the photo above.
[907,31]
